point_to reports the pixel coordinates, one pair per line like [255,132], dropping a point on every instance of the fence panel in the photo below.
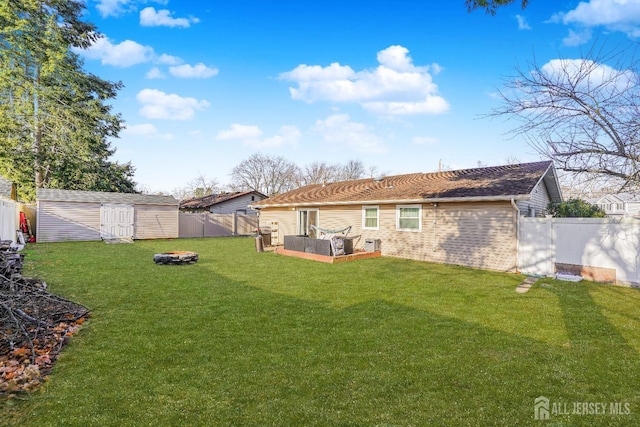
[205,224]
[8,220]
[599,245]
[602,243]
[218,225]
[246,224]
[191,224]
[536,254]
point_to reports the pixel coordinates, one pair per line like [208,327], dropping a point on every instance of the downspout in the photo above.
[517,209]
[435,224]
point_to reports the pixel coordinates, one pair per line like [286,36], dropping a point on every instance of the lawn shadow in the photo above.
[604,361]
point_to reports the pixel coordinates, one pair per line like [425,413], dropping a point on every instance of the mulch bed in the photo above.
[34,326]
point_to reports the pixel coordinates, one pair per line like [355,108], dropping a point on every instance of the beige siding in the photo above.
[481,235]
[156,222]
[67,221]
[285,219]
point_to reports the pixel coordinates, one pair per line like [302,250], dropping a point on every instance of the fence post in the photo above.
[551,232]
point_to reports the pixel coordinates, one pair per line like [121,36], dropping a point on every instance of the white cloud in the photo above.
[125,54]
[432,105]
[155,73]
[396,86]
[145,130]
[159,105]
[340,131]
[425,140]
[119,7]
[199,71]
[287,135]
[250,136]
[112,7]
[168,59]
[587,74]
[238,131]
[522,23]
[576,38]
[614,15]
[130,53]
[149,17]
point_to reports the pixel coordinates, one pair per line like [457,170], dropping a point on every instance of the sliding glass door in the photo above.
[307,218]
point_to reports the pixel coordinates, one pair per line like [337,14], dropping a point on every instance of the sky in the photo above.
[403,86]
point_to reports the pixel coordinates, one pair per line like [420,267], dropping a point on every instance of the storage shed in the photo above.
[70,215]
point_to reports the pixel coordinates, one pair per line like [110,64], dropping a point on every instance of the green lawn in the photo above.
[247,338]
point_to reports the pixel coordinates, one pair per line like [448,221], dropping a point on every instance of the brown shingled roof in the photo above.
[213,199]
[498,182]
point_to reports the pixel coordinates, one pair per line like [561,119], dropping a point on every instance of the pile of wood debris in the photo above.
[34,325]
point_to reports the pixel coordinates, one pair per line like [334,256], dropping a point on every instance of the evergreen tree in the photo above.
[55,124]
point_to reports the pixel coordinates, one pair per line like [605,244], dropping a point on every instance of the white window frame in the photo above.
[364,217]
[307,226]
[398,208]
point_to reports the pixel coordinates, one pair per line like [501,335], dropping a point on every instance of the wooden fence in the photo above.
[600,249]
[205,224]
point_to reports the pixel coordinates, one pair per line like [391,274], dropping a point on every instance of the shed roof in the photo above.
[214,199]
[489,183]
[53,195]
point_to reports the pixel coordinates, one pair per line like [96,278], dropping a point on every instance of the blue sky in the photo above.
[400,85]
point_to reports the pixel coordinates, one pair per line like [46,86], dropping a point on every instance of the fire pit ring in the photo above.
[177,257]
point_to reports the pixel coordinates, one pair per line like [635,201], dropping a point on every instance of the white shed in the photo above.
[70,215]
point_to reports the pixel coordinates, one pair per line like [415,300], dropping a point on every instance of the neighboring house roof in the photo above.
[214,199]
[489,183]
[616,198]
[7,188]
[52,195]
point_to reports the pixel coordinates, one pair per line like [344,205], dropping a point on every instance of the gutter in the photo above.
[517,209]
[398,201]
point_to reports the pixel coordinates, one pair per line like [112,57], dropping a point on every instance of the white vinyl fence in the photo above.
[548,245]
[205,224]
[8,220]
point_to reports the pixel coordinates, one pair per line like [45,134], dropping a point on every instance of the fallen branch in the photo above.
[34,326]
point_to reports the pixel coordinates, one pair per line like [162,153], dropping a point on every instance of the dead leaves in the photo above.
[23,370]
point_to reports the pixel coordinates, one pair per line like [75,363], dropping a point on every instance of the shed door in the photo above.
[116,221]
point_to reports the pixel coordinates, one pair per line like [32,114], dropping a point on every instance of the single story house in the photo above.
[224,203]
[467,217]
[619,205]
[71,215]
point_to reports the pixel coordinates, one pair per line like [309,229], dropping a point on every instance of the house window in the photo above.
[370,217]
[408,218]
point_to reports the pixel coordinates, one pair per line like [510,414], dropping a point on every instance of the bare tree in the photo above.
[322,172]
[199,186]
[353,169]
[318,173]
[583,114]
[266,174]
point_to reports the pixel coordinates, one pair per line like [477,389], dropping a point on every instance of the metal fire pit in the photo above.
[174,258]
